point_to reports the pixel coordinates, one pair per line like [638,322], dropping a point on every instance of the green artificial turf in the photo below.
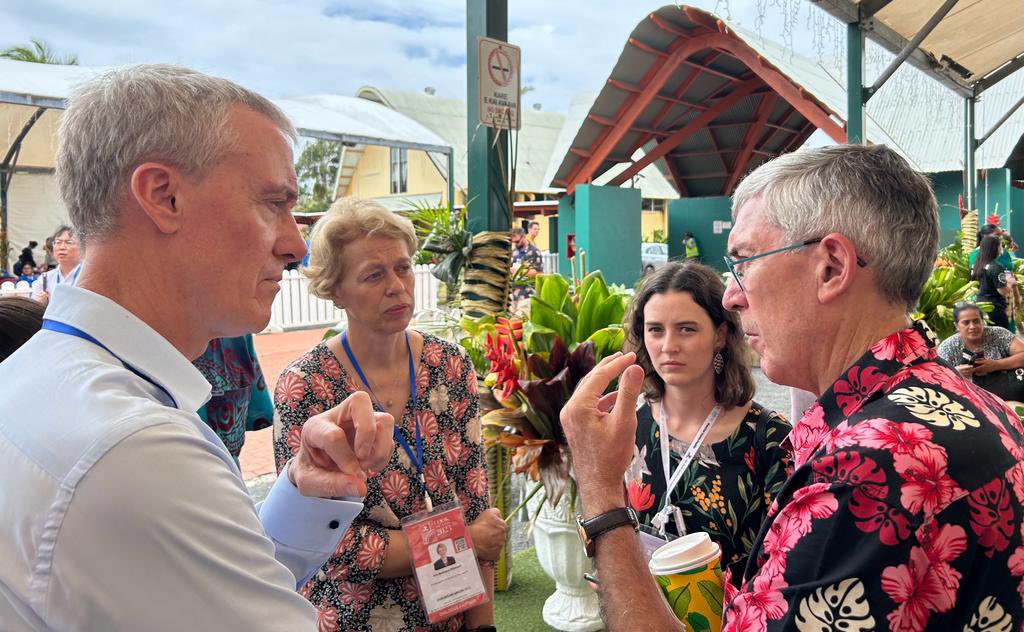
[518,609]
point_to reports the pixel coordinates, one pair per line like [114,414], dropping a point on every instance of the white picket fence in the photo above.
[21,288]
[295,308]
[550,260]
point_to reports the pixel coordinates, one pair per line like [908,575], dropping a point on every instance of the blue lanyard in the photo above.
[64,328]
[417,458]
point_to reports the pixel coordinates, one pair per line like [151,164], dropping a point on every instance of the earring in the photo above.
[718,362]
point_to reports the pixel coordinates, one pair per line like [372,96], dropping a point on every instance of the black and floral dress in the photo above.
[347,591]
[728,487]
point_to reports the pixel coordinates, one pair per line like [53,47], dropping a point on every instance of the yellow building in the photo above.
[399,178]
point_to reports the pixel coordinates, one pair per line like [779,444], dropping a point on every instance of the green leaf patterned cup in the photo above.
[689,573]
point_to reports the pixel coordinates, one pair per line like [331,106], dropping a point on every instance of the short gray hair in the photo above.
[869,194]
[135,114]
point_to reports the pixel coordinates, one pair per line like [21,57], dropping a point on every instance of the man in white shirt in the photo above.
[121,509]
[68,253]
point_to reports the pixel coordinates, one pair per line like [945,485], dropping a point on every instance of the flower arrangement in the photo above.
[532,365]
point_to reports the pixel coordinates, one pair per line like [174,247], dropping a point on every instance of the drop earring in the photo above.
[718,362]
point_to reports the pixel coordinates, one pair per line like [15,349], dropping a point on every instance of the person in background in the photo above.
[51,259]
[362,261]
[121,509]
[995,283]
[695,377]
[532,230]
[68,253]
[20,319]
[977,349]
[239,401]
[525,257]
[691,251]
[28,273]
[905,507]
[1004,257]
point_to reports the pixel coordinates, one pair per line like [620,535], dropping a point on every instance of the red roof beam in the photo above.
[688,130]
[628,87]
[718,148]
[631,111]
[677,178]
[796,96]
[754,132]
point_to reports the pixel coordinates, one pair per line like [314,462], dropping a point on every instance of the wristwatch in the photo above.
[602,523]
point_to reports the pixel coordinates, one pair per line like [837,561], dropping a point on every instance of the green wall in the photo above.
[995,195]
[698,216]
[606,221]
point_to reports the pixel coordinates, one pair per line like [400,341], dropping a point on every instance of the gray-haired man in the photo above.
[906,504]
[122,510]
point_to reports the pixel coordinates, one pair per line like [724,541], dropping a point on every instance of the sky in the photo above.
[298,47]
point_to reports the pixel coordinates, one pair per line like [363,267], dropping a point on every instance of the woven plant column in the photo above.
[485,276]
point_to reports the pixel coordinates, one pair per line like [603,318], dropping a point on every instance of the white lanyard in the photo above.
[672,478]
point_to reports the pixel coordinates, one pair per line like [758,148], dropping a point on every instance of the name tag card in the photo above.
[444,564]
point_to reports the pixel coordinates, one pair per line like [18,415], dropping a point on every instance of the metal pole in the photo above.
[999,123]
[970,175]
[911,46]
[451,184]
[854,84]
[486,197]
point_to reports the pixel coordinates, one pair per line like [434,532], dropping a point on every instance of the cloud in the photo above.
[292,47]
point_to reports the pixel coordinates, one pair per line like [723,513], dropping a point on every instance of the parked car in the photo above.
[653,256]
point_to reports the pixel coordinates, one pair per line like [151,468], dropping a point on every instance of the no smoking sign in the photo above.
[498,82]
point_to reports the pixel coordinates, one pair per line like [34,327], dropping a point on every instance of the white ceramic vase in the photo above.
[573,607]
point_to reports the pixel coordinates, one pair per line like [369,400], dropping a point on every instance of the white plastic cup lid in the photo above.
[688,552]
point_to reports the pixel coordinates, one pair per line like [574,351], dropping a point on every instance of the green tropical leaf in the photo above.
[696,622]
[545,315]
[712,594]
[607,341]
[679,599]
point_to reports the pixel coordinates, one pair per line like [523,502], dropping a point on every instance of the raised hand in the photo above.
[601,430]
[340,447]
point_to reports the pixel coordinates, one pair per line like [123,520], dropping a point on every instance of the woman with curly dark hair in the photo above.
[708,458]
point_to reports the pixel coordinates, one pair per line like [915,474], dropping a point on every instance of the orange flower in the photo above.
[640,496]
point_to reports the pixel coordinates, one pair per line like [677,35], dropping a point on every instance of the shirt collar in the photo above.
[858,384]
[132,341]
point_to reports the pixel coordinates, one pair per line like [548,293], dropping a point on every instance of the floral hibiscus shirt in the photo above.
[904,510]
[347,591]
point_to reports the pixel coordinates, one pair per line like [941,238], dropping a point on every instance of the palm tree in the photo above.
[39,53]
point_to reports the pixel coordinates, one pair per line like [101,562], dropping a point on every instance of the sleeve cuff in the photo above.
[302,522]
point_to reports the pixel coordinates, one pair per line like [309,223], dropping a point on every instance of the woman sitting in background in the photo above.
[995,282]
[977,350]
[361,259]
[724,463]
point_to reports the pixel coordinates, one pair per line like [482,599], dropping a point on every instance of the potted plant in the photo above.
[534,365]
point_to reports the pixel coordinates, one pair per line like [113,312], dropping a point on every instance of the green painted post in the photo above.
[486,197]
[854,84]
[970,147]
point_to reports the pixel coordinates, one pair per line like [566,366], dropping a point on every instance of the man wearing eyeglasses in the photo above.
[68,254]
[906,504]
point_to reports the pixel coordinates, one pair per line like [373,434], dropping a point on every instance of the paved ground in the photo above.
[275,351]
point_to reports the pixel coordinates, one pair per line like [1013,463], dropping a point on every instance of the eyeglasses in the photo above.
[734,264]
[64,242]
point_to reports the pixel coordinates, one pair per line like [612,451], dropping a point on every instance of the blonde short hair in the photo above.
[349,219]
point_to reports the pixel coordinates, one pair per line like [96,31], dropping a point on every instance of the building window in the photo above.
[399,170]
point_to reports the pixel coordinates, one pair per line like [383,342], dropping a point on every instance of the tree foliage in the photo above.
[38,52]
[317,171]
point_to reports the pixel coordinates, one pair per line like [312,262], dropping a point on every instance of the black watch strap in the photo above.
[603,523]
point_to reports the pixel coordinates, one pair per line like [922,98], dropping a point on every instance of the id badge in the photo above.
[444,563]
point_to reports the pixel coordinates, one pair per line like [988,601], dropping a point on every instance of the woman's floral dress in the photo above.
[728,487]
[347,591]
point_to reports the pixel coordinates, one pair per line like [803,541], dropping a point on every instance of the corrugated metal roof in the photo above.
[537,140]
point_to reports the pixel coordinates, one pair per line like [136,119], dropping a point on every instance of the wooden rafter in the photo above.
[750,140]
[688,130]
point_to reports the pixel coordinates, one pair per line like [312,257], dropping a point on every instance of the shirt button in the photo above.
[333,524]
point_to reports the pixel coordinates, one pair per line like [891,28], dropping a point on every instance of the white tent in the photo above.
[31,101]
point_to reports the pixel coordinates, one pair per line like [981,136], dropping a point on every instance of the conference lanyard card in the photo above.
[444,564]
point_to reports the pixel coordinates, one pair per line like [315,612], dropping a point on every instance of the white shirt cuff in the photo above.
[305,530]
